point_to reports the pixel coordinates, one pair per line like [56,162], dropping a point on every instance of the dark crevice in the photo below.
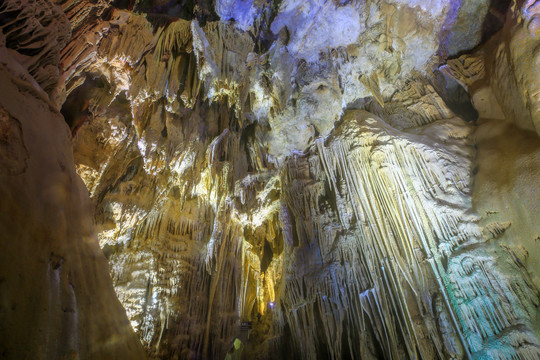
[495,18]
[75,109]
[455,97]
[202,10]
[267,256]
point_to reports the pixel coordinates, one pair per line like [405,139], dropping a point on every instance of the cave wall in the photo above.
[57,299]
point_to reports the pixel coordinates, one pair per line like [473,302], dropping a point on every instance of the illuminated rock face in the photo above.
[294,164]
[56,298]
[399,256]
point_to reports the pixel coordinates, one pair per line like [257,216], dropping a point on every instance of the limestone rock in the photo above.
[515,85]
[34,33]
[275,179]
[57,299]
[373,210]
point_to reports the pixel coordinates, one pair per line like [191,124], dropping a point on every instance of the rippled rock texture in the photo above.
[56,297]
[356,178]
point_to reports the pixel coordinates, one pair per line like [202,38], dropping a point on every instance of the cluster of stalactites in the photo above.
[390,219]
[376,217]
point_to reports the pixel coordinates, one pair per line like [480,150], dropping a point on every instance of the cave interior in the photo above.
[270,179]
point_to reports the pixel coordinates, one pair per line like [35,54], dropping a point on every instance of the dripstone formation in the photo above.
[262,179]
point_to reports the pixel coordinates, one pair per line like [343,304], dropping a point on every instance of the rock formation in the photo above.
[354,179]
[57,301]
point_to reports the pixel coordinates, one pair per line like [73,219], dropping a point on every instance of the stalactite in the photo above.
[395,182]
[364,243]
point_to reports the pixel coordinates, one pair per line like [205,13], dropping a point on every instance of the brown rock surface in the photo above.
[56,298]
